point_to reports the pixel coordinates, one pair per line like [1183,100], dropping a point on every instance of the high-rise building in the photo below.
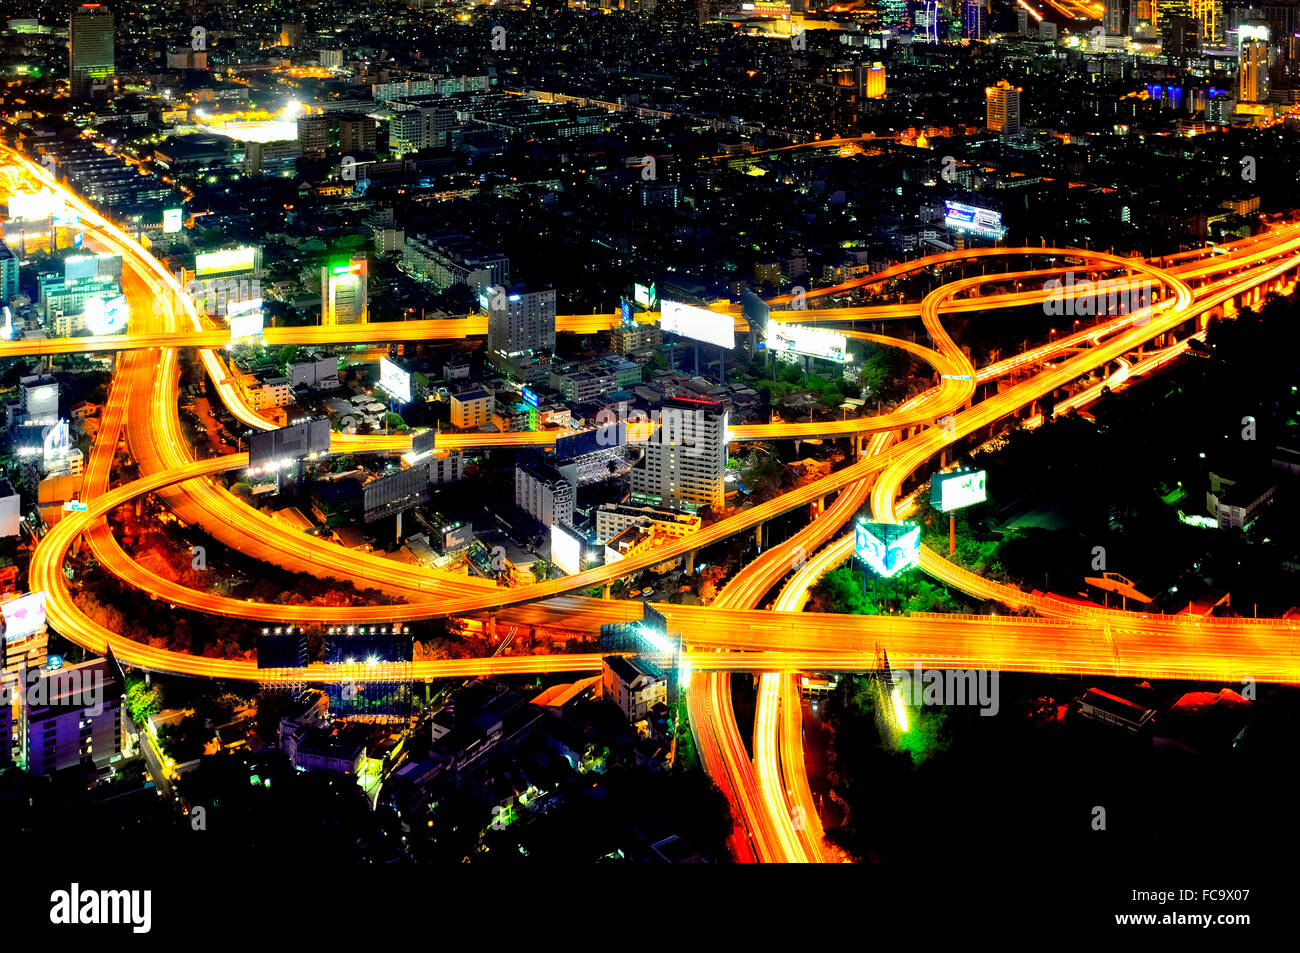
[1209,14]
[343,292]
[1253,64]
[78,717]
[1003,103]
[520,322]
[1115,19]
[974,20]
[90,50]
[872,82]
[544,492]
[1180,35]
[685,456]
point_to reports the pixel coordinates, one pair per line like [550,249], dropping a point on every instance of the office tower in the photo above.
[895,15]
[90,50]
[871,80]
[685,456]
[520,322]
[974,23]
[343,293]
[1003,102]
[1115,19]
[1209,14]
[1180,36]
[1253,64]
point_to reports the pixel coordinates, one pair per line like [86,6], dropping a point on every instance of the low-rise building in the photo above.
[634,685]
[472,409]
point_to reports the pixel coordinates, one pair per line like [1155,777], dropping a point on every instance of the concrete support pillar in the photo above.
[690,563]
[604,591]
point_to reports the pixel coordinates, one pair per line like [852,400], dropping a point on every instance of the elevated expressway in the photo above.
[1121,646]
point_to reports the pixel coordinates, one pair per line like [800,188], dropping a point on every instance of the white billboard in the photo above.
[952,491]
[173,219]
[35,205]
[699,324]
[814,342]
[106,315]
[24,615]
[395,381]
[246,318]
[566,549]
[968,218]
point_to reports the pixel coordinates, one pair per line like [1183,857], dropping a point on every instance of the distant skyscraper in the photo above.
[90,50]
[1003,106]
[974,24]
[1115,18]
[343,293]
[894,14]
[1253,64]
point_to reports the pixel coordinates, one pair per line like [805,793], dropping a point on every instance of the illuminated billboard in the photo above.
[952,491]
[888,548]
[625,313]
[246,318]
[814,342]
[645,295]
[24,615]
[227,261]
[968,218]
[699,324]
[529,398]
[35,205]
[566,548]
[173,219]
[394,381]
[79,267]
[106,315]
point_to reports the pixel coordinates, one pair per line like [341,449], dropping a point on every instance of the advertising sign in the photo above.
[225,262]
[566,548]
[246,319]
[968,218]
[645,295]
[24,615]
[888,548]
[173,219]
[814,342]
[952,491]
[755,312]
[106,315]
[394,381]
[529,398]
[699,324]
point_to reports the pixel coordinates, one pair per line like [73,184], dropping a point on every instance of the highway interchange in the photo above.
[775,818]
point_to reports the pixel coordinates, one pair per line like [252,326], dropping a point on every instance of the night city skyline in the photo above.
[626,432]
